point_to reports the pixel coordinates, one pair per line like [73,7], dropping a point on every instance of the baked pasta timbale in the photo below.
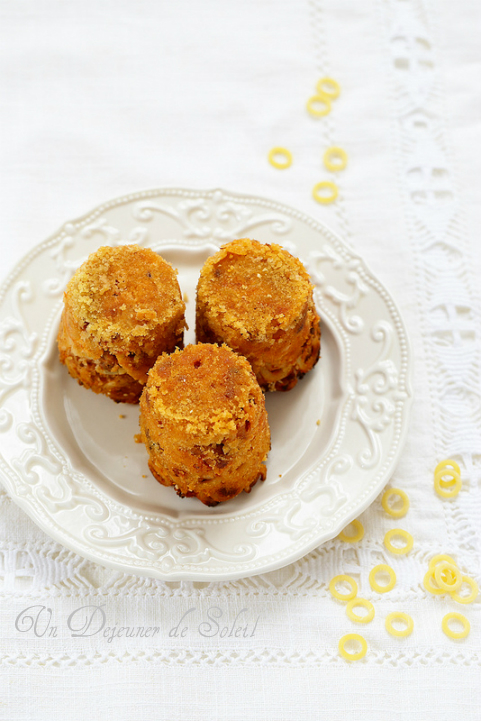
[204,423]
[122,309]
[258,299]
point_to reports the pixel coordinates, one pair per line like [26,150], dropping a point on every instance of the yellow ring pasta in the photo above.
[343,596]
[332,92]
[402,534]
[352,656]
[315,100]
[364,603]
[447,464]
[358,535]
[447,478]
[441,557]
[325,199]
[456,617]
[282,165]
[428,585]
[335,159]
[400,512]
[399,616]
[449,576]
[472,596]
[378,569]
[448,491]
[442,578]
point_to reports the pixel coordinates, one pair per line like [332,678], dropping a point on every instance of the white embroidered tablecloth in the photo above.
[105,98]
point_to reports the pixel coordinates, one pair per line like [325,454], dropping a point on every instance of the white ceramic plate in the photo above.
[68,456]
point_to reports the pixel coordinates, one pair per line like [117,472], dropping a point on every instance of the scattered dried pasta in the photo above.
[447,492]
[358,535]
[335,159]
[323,100]
[343,596]
[440,557]
[402,534]
[447,464]
[399,512]
[280,164]
[445,576]
[332,90]
[456,596]
[447,479]
[456,617]
[382,567]
[364,603]
[428,583]
[352,656]
[399,616]
[448,576]
[327,89]
[325,185]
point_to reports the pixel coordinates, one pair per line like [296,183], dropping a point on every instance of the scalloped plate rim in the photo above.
[155,572]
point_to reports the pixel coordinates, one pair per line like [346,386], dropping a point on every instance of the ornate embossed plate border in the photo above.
[338,485]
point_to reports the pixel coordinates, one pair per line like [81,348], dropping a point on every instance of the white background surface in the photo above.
[100,99]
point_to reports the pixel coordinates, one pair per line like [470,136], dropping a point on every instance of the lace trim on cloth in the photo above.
[49,570]
[252,657]
[435,219]
[326,127]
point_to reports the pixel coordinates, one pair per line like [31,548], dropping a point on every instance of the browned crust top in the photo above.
[254,288]
[120,296]
[206,390]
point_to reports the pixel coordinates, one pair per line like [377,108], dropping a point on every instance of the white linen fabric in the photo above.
[105,98]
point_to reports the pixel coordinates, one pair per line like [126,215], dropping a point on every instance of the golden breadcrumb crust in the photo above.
[204,423]
[257,298]
[122,309]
